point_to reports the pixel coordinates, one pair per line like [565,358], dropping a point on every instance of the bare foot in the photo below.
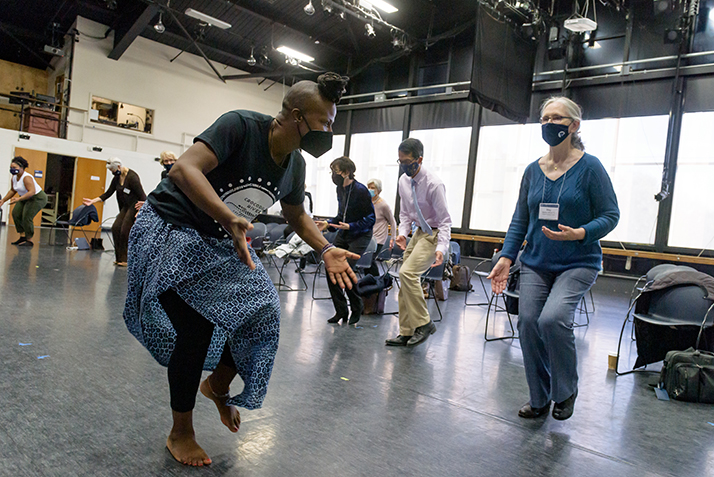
[230,417]
[185,449]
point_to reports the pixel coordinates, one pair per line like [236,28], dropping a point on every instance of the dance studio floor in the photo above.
[80,396]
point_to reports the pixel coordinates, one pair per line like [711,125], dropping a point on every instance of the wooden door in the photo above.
[89,178]
[37,161]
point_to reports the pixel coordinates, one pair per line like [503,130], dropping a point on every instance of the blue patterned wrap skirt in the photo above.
[208,275]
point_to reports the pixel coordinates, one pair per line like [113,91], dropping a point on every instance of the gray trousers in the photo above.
[545,325]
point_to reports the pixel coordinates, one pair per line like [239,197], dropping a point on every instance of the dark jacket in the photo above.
[128,193]
[355,208]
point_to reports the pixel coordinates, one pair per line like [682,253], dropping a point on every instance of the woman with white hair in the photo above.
[127,185]
[384,218]
[167,159]
[565,206]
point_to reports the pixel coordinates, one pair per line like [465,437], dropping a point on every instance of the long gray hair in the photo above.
[574,111]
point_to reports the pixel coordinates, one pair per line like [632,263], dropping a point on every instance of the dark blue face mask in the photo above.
[409,169]
[14,171]
[168,167]
[554,133]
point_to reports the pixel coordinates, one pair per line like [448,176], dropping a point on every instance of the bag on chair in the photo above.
[461,279]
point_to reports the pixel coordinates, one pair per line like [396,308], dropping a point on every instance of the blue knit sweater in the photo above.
[587,200]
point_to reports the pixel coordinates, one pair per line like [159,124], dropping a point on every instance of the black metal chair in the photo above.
[282,285]
[483,270]
[81,217]
[430,277]
[330,237]
[494,297]
[365,261]
[678,311]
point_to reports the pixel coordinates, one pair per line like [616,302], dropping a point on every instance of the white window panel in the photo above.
[446,153]
[375,156]
[693,198]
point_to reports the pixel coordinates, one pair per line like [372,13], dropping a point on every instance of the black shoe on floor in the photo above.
[354,318]
[25,243]
[563,410]
[19,241]
[422,333]
[336,319]
[528,412]
[398,341]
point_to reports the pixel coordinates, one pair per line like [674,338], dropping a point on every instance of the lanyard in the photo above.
[542,198]
[344,214]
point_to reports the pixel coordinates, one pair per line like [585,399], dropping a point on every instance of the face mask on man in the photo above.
[14,171]
[554,133]
[315,143]
[410,169]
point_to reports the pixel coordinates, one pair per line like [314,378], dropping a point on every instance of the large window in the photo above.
[693,199]
[630,149]
[375,155]
[446,153]
[317,179]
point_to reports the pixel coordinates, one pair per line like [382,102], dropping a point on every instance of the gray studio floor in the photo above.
[339,402]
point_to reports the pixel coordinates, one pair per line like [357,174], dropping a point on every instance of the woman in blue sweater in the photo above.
[565,206]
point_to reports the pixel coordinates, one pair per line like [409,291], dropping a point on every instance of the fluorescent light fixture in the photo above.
[381,4]
[618,68]
[294,54]
[579,24]
[207,19]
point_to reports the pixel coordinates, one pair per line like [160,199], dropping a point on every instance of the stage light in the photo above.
[251,60]
[294,54]
[369,30]
[382,5]
[159,27]
[309,8]
[207,19]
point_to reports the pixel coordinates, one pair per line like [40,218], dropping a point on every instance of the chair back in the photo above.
[331,236]
[82,215]
[455,251]
[679,305]
[365,261]
[276,233]
[435,273]
[372,247]
[259,229]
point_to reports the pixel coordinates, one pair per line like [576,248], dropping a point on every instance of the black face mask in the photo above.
[337,179]
[409,169]
[14,171]
[554,133]
[315,143]
[117,172]
[168,167]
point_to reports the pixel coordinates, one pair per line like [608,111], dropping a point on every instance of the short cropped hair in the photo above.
[412,146]
[376,183]
[344,164]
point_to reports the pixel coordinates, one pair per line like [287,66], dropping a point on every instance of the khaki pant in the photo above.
[418,257]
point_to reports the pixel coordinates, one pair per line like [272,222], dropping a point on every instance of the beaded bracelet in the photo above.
[325,249]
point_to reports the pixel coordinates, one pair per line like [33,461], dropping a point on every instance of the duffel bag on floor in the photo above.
[689,375]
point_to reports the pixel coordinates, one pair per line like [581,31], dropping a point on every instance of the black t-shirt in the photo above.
[247,179]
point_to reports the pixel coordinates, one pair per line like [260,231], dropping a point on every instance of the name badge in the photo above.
[548,211]
[127,191]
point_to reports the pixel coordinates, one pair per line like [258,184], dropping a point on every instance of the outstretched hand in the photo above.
[499,275]
[238,227]
[566,233]
[338,268]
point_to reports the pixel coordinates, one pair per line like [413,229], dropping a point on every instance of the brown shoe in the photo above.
[528,412]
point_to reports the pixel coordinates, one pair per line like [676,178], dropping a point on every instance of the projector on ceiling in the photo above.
[580,25]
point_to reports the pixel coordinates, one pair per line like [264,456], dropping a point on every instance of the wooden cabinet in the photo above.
[41,121]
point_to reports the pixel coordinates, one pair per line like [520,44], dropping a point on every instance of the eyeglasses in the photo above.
[404,163]
[556,118]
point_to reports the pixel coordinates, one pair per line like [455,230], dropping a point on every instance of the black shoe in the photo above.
[19,241]
[398,341]
[528,412]
[337,318]
[25,243]
[354,318]
[563,410]
[422,333]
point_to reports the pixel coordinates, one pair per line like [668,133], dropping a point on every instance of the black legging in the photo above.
[193,337]
[120,231]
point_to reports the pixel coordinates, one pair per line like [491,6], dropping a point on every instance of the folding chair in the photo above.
[430,277]
[493,301]
[482,274]
[384,254]
[330,237]
[257,237]
[678,311]
[81,217]
[365,261]
[291,257]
